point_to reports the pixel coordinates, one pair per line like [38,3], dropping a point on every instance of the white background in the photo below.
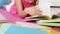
[45,7]
[55,2]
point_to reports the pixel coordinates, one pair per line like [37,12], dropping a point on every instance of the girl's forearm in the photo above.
[19,6]
[21,13]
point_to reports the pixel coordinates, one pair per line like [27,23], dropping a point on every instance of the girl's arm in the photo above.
[19,5]
[21,13]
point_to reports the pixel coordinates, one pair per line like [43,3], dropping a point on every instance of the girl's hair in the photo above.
[35,2]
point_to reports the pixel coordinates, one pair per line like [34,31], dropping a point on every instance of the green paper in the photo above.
[49,24]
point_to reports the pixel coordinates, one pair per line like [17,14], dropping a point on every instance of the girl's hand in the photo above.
[33,11]
[22,14]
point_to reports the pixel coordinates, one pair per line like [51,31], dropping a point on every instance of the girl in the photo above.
[21,13]
[23,8]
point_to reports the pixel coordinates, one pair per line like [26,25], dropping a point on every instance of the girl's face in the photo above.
[30,1]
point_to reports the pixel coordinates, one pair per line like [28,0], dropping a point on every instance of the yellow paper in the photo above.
[50,32]
[49,21]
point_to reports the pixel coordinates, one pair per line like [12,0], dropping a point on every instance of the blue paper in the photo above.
[23,30]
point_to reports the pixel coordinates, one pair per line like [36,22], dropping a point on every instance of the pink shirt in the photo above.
[25,4]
